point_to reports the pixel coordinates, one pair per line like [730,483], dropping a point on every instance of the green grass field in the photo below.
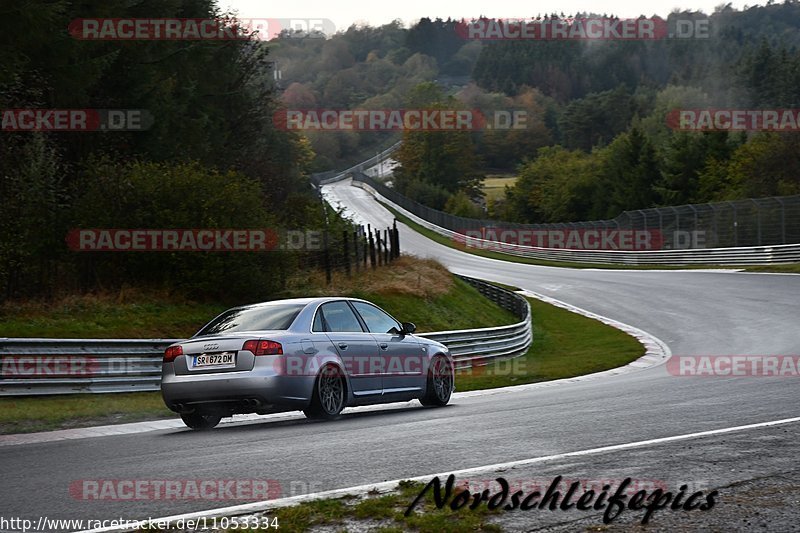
[495,186]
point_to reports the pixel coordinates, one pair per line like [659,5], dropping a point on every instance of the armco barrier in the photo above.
[746,255]
[63,366]
[468,346]
[331,176]
[753,222]
[66,366]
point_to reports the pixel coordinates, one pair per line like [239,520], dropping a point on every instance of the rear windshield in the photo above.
[277,316]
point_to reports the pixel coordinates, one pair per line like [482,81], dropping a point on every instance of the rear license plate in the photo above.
[214,360]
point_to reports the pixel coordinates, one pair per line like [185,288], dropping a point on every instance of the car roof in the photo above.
[303,301]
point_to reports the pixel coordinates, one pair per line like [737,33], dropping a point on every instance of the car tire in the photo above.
[329,396]
[200,421]
[440,383]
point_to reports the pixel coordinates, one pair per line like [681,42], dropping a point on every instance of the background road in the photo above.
[693,312]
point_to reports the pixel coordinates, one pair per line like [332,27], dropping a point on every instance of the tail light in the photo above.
[262,347]
[172,352]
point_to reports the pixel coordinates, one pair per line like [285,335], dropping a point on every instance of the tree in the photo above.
[630,170]
[460,205]
[558,186]
[443,158]
[768,165]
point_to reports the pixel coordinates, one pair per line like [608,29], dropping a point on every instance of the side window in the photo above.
[340,318]
[377,321]
[318,326]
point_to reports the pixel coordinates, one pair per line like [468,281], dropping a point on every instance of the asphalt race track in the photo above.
[694,313]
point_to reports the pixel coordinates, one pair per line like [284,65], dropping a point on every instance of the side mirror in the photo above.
[408,328]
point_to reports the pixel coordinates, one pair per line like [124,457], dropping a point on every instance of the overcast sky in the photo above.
[343,13]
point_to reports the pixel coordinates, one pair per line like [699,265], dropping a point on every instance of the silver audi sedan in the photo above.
[317,355]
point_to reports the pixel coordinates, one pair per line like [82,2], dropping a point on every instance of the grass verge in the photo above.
[790,268]
[127,314]
[382,514]
[441,239]
[43,413]
[565,345]
[416,290]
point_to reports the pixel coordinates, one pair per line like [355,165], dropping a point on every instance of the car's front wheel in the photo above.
[329,395]
[440,383]
[198,420]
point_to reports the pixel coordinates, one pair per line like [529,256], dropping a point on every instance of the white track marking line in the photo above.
[386,486]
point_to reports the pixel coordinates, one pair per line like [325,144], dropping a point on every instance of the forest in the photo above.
[210,159]
[595,142]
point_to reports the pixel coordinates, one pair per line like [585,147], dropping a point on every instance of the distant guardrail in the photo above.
[743,255]
[753,222]
[68,366]
[332,176]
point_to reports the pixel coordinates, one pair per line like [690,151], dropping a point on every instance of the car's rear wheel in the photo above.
[198,420]
[329,395]
[440,383]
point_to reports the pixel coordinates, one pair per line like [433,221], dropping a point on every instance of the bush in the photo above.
[30,177]
[427,193]
[461,206]
[141,195]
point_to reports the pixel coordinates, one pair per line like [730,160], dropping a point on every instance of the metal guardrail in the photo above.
[64,366]
[477,346]
[745,255]
[67,366]
[324,178]
[753,222]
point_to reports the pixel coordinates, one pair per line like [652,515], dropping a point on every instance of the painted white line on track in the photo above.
[386,486]
[772,273]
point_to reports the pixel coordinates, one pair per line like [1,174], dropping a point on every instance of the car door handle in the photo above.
[343,345]
[384,346]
